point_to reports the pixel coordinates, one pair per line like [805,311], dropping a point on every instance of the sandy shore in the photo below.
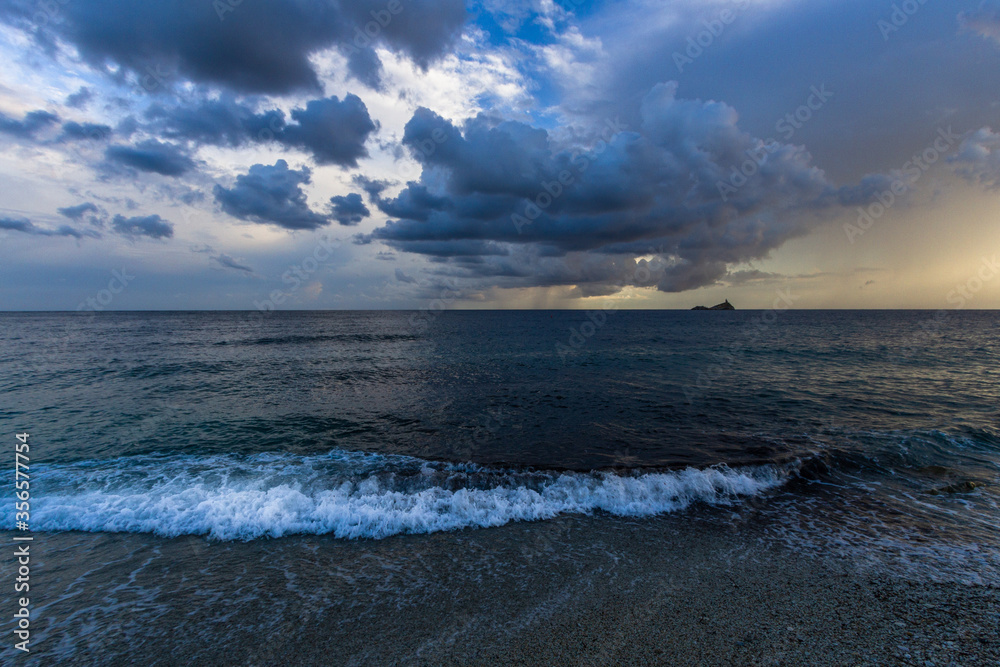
[685,592]
[755,607]
[675,590]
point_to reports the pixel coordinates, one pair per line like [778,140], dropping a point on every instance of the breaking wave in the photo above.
[353,494]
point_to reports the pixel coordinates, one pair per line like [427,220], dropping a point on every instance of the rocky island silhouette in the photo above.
[725,305]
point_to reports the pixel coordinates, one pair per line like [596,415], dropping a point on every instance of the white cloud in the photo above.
[978,157]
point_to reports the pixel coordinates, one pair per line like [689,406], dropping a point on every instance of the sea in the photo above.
[180,461]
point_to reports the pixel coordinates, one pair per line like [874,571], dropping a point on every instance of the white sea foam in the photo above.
[352,495]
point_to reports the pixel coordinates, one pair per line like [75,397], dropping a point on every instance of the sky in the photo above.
[372,154]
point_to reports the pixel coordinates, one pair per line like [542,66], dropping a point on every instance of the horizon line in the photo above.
[476,310]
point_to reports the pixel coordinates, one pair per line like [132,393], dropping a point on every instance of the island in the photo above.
[725,305]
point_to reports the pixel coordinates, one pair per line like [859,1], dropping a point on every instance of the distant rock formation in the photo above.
[725,305]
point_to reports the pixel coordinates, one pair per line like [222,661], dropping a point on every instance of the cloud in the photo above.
[881,113]
[77,212]
[27,127]
[372,187]
[752,276]
[334,131]
[271,195]
[403,278]
[151,156]
[25,226]
[80,98]
[350,209]
[18,225]
[508,202]
[150,226]
[253,47]
[230,263]
[73,131]
[36,121]
[984,21]
[978,158]
[365,66]
[222,122]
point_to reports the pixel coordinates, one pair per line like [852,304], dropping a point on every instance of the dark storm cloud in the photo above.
[271,195]
[414,203]
[150,226]
[453,249]
[893,89]
[366,67]
[73,131]
[152,156]
[334,131]
[665,188]
[25,226]
[26,128]
[259,47]
[349,209]
[423,29]
[222,122]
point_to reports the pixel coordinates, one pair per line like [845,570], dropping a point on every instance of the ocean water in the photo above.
[375,423]
[875,435]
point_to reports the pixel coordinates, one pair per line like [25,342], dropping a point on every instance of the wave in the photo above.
[298,339]
[353,495]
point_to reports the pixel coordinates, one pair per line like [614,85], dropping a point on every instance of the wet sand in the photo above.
[706,589]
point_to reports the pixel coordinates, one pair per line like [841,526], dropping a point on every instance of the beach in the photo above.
[675,590]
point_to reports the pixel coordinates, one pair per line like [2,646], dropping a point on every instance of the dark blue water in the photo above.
[379,423]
